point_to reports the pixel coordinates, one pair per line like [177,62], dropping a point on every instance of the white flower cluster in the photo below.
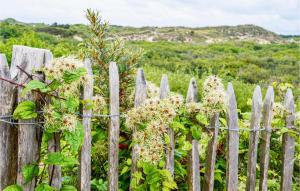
[194,108]
[152,90]
[150,121]
[99,103]
[279,110]
[214,96]
[151,142]
[55,121]
[58,120]
[58,67]
[69,122]
[153,109]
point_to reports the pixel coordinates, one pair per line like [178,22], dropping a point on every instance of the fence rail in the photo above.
[21,146]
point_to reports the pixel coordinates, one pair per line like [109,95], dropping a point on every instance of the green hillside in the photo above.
[246,55]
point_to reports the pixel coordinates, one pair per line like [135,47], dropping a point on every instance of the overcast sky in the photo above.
[280,16]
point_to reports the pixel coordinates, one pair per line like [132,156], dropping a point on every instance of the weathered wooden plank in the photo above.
[253,141]
[140,88]
[114,129]
[232,141]
[288,145]
[193,156]
[164,87]
[164,93]
[29,136]
[85,155]
[211,154]
[140,97]
[266,135]
[8,133]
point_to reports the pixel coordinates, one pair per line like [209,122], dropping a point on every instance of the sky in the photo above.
[280,16]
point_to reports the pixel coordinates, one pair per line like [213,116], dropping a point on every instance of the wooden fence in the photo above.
[21,146]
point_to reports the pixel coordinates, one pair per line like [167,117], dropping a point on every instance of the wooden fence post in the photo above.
[114,128]
[266,135]
[8,133]
[211,154]
[140,97]
[288,145]
[193,156]
[164,93]
[253,141]
[29,136]
[232,141]
[85,155]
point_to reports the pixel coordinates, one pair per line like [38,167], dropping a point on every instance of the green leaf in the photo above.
[71,76]
[124,170]
[202,119]
[166,138]
[57,158]
[148,168]
[129,161]
[72,104]
[35,85]
[25,110]
[161,163]
[75,138]
[54,85]
[223,121]
[14,187]
[196,133]
[176,126]
[44,187]
[68,188]
[29,172]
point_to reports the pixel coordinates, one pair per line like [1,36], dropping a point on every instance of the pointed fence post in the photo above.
[164,93]
[265,141]
[253,142]
[211,154]
[232,141]
[114,128]
[288,145]
[193,156]
[85,155]
[29,136]
[140,97]
[8,133]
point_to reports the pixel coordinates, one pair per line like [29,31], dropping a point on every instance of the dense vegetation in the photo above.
[246,63]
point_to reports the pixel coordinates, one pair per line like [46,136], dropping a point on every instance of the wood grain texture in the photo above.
[85,155]
[8,133]
[211,154]
[288,145]
[265,140]
[193,156]
[29,136]
[114,128]
[140,97]
[170,148]
[232,141]
[253,141]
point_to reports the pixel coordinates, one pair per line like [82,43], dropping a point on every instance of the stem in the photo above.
[42,174]
[23,86]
